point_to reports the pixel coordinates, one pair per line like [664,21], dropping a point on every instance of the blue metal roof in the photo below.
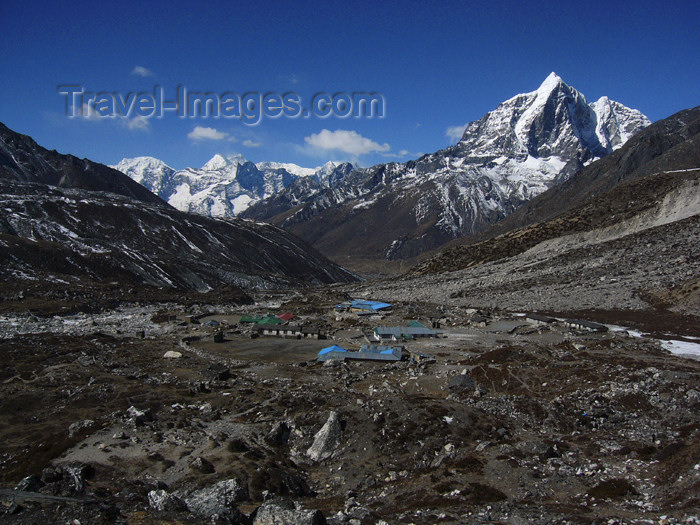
[334,348]
[366,353]
[379,351]
[369,305]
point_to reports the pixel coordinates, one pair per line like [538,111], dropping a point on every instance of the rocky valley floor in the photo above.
[511,423]
[656,267]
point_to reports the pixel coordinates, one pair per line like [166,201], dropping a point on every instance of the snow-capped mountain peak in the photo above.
[616,123]
[215,163]
[218,162]
[224,187]
[150,172]
[139,165]
[550,83]
[323,172]
[513,153]
[553,120]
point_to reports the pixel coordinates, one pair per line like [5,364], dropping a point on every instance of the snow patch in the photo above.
[681,347]
[181,198]
[287,166]
[241,203]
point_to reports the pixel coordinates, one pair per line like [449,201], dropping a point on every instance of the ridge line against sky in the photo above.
[438,67]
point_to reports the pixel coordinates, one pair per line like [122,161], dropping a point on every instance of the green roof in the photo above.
[260,320]
[270,320]
[417,324]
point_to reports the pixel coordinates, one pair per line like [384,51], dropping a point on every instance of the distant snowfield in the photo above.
[224,186]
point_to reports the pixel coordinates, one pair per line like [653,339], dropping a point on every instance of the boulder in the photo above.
[218,500]
[75,476]
[202,465]
[51,474]
[172,354]
[279,434]
[163,501]
[138,417]
[79,426]
[326,440]
[31,483]
[285,512]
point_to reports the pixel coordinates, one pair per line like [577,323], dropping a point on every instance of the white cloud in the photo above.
[250,144]
[142,72]
[137,123]
[454,133]
[203,133]
[88,112]
[346,141]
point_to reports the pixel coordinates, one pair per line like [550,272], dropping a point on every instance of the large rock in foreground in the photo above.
[326,440]
[284,512]
[218,501]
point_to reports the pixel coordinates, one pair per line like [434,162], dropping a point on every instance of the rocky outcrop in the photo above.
[163,501]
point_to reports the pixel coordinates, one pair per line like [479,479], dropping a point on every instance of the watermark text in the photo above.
[250,108]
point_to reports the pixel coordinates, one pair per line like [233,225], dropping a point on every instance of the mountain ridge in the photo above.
[76,227]
[23,160]
[527,144]
[224,186]
[635,178]
[59,234]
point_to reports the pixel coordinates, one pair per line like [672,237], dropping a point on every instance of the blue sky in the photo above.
[437,66]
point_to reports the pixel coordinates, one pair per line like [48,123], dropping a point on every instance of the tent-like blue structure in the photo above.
[333,348]
[359,305]
[372,306]
[332,352]
[366,353]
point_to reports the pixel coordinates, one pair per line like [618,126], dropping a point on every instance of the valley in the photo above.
[526,351]
[135,413]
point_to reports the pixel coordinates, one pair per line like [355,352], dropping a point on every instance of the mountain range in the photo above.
[400,210]
[226,186]
[68,220]
[536,156]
